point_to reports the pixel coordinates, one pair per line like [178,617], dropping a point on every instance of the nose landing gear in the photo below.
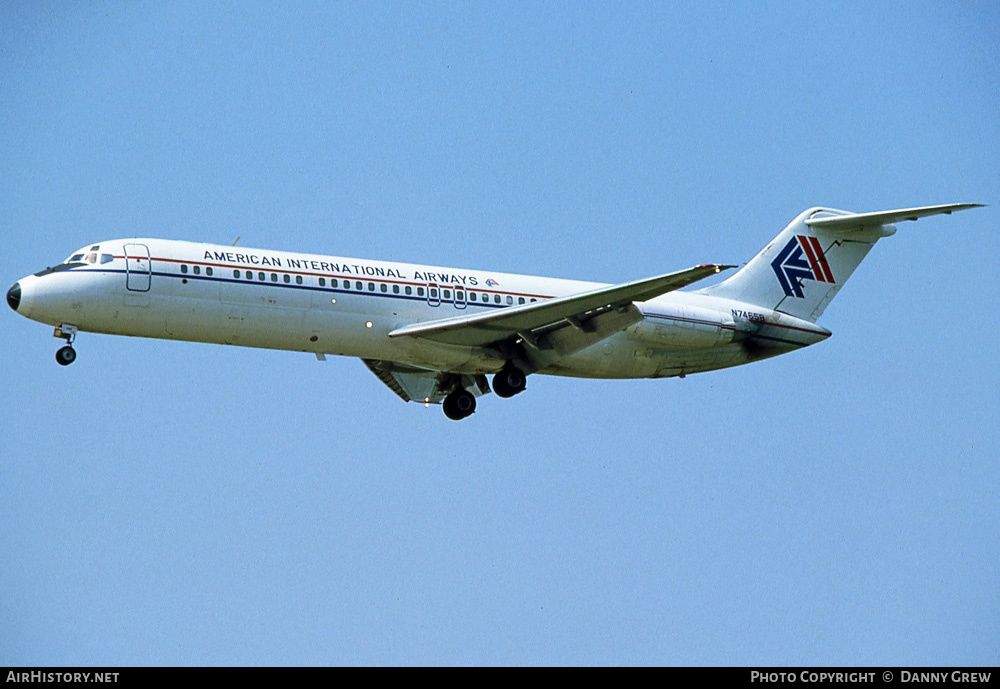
[66,355]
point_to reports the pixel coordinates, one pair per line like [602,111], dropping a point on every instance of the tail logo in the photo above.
[801,259]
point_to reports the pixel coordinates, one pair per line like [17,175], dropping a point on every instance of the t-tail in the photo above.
[804,267]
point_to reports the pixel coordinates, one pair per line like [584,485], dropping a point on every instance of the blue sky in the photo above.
[174,503]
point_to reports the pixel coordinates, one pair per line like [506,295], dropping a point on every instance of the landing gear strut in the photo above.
[66,355]
[509,381]
[459,404]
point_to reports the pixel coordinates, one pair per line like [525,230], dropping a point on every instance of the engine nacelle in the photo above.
[684,326]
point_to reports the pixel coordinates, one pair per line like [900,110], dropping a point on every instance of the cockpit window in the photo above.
[74,261]
[91,256]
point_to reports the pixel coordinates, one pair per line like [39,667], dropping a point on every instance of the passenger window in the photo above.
[510,300]
[322,282]
[371,286]
[395,289]
[408,289]
[420,291]
[459,295]
[447,294]
[208,271]
[496,298]
[434,292]
[261,277]
[298,279]
[249,275]
[236,273]
[358,286]
[472,296]
[197,270]
[274,277]
[287,278]
[184,268]
[384,287]
[520,300]
[333,282]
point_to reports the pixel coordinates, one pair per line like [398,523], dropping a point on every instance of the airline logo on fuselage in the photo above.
[308,264]
[802,258]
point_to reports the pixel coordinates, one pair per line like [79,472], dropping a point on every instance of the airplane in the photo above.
[433,335]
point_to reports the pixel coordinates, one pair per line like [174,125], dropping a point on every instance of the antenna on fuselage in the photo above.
[236,241]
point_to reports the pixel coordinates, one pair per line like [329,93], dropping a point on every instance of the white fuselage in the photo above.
[331,305]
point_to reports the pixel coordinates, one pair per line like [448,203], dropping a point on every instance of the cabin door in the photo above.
[138,270]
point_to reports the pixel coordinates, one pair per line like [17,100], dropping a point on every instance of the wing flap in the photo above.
[383,371]
[528,320]
[412,384]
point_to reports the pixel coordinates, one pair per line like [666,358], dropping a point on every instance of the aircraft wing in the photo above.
[854,221]
[545,326]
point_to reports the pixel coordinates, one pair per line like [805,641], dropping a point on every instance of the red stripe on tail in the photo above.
[804,243]
[822,260]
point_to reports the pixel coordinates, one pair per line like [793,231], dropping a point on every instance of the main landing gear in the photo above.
[66,355]
[509,381]
[461,403]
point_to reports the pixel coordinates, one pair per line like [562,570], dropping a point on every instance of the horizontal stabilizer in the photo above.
[855,221]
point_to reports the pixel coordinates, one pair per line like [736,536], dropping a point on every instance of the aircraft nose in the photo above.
[14,296]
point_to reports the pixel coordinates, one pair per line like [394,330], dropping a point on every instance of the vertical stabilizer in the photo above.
[804,267]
